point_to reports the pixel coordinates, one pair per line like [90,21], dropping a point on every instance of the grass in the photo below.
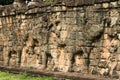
[24,76]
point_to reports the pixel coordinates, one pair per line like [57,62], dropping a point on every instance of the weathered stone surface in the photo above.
[61,38]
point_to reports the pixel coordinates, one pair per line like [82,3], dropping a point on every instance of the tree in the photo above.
[6,2]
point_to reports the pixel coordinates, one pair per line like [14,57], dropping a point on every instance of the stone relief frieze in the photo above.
[79,39]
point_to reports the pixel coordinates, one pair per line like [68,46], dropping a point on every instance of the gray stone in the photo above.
[71,21]
[70,49]
[72,35]
[10,43]
[93,62]
[70,42]
[79,36]
[70,14]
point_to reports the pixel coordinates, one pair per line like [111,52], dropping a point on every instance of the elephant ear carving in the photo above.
[93,31]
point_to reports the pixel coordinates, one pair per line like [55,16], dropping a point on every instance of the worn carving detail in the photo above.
[61,37]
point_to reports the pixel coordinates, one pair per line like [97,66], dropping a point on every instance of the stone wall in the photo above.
[61,38]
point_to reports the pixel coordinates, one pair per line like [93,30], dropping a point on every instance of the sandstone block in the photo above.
[64,8]
[93,62]
[58,8]
[70,42]
[63,27]
[79,36]
[103,64]
[72,35]
[105,5]
[118,67]
[70,49]
[94,56]
[63,35]
[113,4]
[71,14]
[71,21]
[105,55]
[0,22]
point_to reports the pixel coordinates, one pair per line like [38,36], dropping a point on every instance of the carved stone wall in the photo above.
[63,38]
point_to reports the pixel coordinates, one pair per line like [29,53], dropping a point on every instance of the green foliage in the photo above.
[6,2]
[23,76]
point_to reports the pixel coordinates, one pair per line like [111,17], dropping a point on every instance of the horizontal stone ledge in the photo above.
[58,75]
[67,2]
[56,7]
